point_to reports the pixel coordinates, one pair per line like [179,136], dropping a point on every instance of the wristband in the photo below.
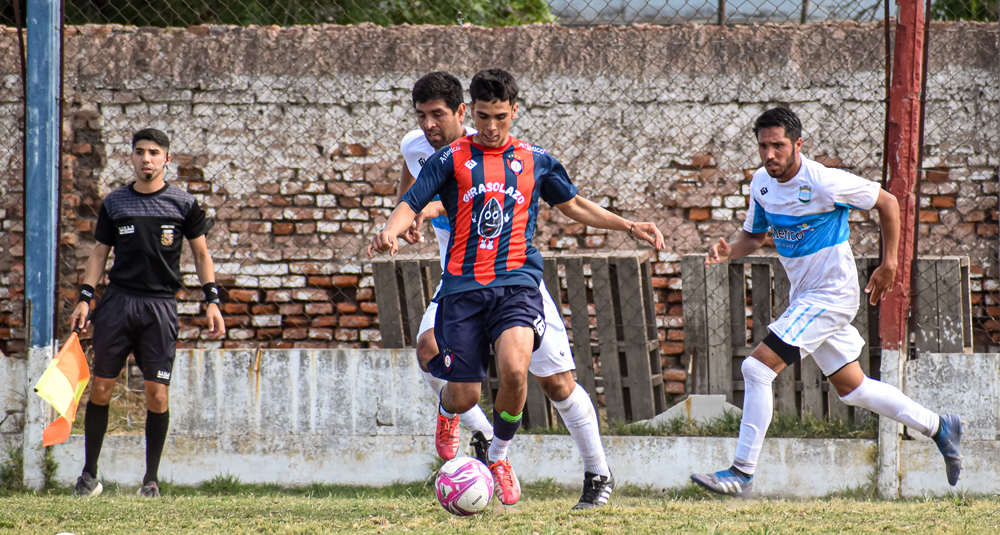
[631,229]
[86,293]
[211,292]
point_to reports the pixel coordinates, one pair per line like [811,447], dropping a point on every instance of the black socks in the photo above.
[156,436]
[95,425]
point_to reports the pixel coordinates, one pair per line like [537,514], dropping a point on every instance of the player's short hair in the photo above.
[782,117]
[154,135]
[438,85]
[493,84]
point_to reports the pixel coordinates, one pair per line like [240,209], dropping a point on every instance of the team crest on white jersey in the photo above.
[805,194]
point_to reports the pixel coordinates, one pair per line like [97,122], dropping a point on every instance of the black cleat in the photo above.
[87,486]
[480,447]
[150,490]
[596,491]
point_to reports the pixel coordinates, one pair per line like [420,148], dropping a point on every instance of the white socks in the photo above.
[581,420]
[473,419]
[758,409]
[498,450]
[876,396]
[889,401]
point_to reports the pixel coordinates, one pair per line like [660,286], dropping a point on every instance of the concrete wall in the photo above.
[789,467]
[366,417]
[336,392]
[289,137]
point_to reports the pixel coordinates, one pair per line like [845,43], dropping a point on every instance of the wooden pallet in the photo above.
[716,339]
[617,287]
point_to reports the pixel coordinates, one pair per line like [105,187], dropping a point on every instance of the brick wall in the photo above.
[289,138]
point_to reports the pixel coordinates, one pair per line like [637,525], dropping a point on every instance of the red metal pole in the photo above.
[903,149]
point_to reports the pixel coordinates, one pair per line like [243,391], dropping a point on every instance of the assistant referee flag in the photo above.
[62,386]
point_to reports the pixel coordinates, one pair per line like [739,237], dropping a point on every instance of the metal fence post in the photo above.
[904,119]
[41,187]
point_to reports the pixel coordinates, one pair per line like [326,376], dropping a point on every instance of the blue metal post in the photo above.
[40,189]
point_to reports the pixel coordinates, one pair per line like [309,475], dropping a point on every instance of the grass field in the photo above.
[226,506]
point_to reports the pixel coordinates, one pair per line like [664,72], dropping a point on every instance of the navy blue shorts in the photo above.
[468,322]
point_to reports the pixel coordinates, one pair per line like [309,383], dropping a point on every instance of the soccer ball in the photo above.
[464,486]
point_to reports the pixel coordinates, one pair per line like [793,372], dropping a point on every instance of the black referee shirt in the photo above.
[146,231]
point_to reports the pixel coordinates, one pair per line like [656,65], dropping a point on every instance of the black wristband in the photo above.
[631,229]
[211,292]
[86,293]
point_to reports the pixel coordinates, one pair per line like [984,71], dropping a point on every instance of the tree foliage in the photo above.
[291,12]
[980,10]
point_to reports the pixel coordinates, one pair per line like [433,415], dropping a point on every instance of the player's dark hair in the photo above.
[154,135]
[782,117]
[438,85]
[493,84]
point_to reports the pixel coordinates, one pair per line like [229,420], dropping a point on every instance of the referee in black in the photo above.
[145,222]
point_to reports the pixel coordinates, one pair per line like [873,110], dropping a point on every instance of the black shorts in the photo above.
[468,322]
[144,326]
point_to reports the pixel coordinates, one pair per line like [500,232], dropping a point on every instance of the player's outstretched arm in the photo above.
[91,277]
[744,244]
[587,212]
[406,180]
[884,276]
[206,274]
[412,233]
[399,220]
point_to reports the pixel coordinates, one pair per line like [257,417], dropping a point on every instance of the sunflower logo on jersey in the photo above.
[490,223]
[167,236]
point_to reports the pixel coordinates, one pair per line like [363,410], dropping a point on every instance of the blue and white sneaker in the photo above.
[726,483]
[947,439]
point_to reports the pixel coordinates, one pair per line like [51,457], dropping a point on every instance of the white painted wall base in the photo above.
[789,467]
[921,468]
[365,417]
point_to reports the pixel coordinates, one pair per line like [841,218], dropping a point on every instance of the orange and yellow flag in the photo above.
[62,386]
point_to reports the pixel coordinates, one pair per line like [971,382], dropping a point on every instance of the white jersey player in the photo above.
[805,207]
[437,99]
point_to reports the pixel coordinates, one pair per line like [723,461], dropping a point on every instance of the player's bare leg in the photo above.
[446,436]
[513,348]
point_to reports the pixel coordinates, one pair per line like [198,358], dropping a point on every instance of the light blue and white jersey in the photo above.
[807,217]
[416,149]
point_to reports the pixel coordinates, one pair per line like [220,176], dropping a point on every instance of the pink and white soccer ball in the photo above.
[464,486]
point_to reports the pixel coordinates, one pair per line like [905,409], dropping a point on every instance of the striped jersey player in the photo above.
[438,102]
[489,185]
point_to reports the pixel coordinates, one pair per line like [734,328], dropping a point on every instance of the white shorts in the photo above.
[553,355]
[825,334]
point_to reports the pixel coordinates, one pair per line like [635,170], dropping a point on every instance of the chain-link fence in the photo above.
[285,121]
[958,186]
[12,189]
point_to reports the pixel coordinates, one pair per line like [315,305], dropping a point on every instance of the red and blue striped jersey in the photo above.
[491,197]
